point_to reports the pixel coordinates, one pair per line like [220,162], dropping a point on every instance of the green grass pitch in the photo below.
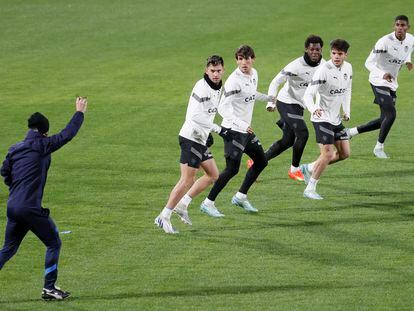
[137,62]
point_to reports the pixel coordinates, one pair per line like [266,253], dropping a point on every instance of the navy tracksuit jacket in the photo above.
[25,172]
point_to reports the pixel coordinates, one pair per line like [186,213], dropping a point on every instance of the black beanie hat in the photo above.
[39,122]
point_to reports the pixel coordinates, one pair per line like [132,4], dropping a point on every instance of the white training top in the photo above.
[236,106]
[388,55]
[334,86]
[297,75]
[202,107]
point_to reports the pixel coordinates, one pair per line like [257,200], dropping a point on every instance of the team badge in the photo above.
[345,76]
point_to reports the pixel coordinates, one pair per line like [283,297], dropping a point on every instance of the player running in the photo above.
[333,82]
[296,76]
[384,63]
[236,108]
[194,139]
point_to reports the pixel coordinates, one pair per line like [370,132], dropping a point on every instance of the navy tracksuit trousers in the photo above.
[19,222]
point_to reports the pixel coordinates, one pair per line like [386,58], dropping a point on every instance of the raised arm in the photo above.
[55,142]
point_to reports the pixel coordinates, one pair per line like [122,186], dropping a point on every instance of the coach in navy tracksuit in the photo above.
[25,172]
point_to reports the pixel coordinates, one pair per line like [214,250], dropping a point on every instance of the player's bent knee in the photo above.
[302,135]
[345,155]
[328,156]
[232,171]
[214,177]
[55,244]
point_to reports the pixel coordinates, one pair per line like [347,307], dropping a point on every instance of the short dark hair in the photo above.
[245,51]
[340,45]
[215,60]
[313,39]
[402,18]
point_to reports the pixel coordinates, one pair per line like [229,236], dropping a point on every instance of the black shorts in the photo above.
[327,133]
[193,153]
[291,116]
[384,95]
[237,143]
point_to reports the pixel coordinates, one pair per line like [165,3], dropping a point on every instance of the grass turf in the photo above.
[137,62]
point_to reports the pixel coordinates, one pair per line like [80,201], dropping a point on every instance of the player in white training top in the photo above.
[384,62]
[296,77]
[194,140]
[236,108]
[333,82]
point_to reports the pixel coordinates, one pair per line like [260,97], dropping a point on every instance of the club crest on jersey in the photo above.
[345,76]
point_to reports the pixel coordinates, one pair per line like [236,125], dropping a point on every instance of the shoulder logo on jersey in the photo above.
[345,76]
[227,94]
[200,99]
[313,82]
[288,73]
[254,81]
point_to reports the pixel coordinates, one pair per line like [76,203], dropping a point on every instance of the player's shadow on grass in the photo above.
[210,291]
[377,174]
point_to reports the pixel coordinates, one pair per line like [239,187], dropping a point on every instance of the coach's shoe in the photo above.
[182,212]
[311,194]
[305,172]
[244,204]
[379,153]
[165,224]
[298,175]
[54,294]
[210,210]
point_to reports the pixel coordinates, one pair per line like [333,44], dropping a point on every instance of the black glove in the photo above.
[210,141]
[225,133]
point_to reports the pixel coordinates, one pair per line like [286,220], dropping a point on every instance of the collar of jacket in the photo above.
[310,62]
[213,85]
[31,134]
